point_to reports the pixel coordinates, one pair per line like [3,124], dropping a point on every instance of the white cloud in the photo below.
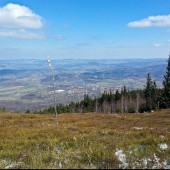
[21,34]
[157,45]
[160,21]
[17,16]
[60,37]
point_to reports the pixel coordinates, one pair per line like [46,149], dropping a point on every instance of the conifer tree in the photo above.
[166,86]
[150,93]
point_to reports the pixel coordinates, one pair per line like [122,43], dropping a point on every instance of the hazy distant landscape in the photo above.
[27,84]
[84,84]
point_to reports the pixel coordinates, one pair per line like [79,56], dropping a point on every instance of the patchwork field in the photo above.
[27,84]
[85,140]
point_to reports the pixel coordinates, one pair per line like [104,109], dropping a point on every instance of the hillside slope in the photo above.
[85,141]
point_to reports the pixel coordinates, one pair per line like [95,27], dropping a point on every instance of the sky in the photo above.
[84,29]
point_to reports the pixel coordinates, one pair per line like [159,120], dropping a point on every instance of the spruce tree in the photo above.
[166,86]
[150,93]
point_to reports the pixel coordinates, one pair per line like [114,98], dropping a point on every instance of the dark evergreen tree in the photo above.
[150,93]
[117,95]
[166,87]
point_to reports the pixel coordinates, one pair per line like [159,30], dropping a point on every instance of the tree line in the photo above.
[122,101]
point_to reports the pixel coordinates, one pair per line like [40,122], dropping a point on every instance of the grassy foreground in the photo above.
[85,141]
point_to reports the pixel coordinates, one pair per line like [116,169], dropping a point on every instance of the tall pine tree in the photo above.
[166,86]
[150,93]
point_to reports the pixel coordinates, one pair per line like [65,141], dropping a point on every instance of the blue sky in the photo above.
[84,29]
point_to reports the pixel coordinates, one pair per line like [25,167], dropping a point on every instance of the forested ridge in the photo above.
[122,101]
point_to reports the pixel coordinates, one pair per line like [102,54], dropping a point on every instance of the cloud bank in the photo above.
[159,21]
[16,22]
[17,16]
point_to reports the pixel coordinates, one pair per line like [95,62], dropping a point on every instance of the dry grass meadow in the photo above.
[85,141]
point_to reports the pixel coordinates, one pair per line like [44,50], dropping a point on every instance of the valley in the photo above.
[27,84]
